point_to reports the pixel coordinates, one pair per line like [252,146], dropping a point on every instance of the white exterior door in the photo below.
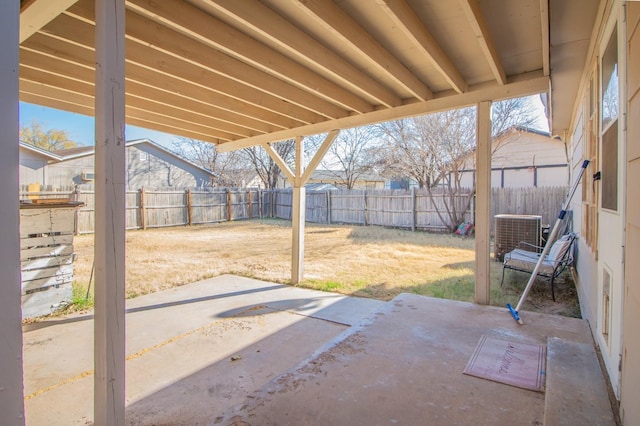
[611,203]
[629,407]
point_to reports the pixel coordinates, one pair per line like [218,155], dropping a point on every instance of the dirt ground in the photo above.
[362,261]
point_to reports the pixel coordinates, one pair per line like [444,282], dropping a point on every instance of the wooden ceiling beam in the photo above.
[70,76]
[61,104]
[272,26]
[176,91]
[134,109]
[81,33]
[208,30]
[36,14]
[517,86]
[411,25]
[333,19]
[157,37]
[479,27]
[544,24]
[75,102]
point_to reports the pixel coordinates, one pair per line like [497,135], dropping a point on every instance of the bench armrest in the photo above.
[524,245]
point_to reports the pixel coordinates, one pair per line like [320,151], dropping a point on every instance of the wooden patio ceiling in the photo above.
[246,72]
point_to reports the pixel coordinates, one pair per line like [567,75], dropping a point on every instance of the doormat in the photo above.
[516,364]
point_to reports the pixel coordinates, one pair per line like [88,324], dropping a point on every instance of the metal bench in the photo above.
[560,256]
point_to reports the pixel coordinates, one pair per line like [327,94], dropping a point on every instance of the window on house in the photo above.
[88,176]
[143,156]
[610,100]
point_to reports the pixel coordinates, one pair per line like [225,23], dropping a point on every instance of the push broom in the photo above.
[547,246]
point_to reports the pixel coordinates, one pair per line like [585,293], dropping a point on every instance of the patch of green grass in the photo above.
[79,299]
[455,288]
[323,285]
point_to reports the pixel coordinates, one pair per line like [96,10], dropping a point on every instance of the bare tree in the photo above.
[230,168]
[434,149]
[263,164]
[351,154]
[511,112]
[424,147]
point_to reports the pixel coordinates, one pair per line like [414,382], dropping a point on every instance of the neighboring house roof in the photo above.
[40,151]
[70,153]
[522,129]
[82,151]
[500,148]
[340,174]
[320,187]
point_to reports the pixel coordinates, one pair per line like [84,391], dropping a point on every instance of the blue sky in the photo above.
[80,128]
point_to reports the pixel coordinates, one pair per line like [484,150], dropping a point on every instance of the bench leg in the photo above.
[553,294]
[502,280]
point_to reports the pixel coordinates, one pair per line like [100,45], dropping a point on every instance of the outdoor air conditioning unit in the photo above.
[511,229]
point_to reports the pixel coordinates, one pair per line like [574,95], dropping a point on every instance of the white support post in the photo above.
[483,203]
[299,202]
[109,322]
[298,216]
[11,384]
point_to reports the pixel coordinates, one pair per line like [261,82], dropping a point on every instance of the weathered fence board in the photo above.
[46,255]
[208,207]
[416,209]
[348,206]
[545,202]
[35,220]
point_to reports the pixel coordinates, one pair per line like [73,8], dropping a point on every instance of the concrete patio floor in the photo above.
[237,351]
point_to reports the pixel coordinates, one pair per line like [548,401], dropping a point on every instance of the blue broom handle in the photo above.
[552,236]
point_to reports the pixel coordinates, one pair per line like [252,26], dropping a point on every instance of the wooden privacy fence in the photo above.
[414,209]
[161,208]
[545,202]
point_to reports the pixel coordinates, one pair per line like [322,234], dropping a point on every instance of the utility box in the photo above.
[511,229]
[47,227]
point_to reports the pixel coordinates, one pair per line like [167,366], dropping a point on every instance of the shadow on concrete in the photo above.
[48,323]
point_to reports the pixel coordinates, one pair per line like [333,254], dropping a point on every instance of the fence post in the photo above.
[272,206]
[228,204]
[259,192]
[250,209]
[75,196]
[189,207]
[143,209]
[364,198]
[413,208]
[328,206]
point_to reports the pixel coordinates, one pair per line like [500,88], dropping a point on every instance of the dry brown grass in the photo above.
[362,261]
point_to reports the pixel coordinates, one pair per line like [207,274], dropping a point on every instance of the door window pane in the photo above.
[610,97]
[610,168]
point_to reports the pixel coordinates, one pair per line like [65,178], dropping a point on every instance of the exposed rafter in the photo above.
[241,73]
[145,32]
[168,88]
[331,17]
[35,14]
[274,27]
[477,23]
[407,20]
[529,84]
[214,33]
[544,25]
